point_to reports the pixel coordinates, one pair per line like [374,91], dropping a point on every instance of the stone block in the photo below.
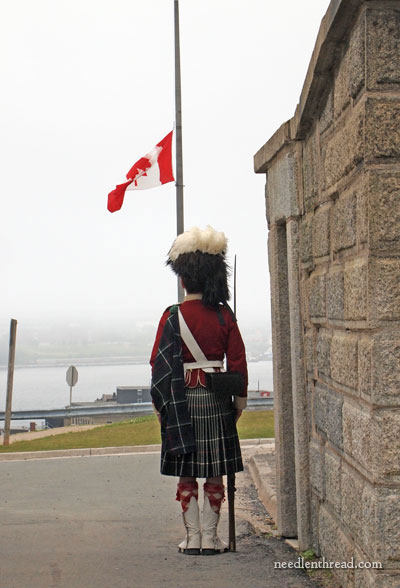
[357,59]
[320,410]
[341,97]
[384,289]
[386,426]
[324,340]
[372,439]
[383,56]
[309,350]
[344,148]
[382,130]
[384,210]
[267,211]
[321,231]
[309,400]
[326,118]
[305,296]
[352,486]
[328,414]
[317,302]
[286,486]
[335,546]
[317,469]
[363,578]
[344,360]
[365,346]
[387,527]
[310,172]
[335,294]
[385,368]
[344,222]
[333,487]
[282,187]
[367,523]
[362,210]
[355,291]
[357,435]
[390,580]
[306,238]
[335,425]
[315,504]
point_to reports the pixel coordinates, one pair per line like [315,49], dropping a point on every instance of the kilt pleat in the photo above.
[218,449]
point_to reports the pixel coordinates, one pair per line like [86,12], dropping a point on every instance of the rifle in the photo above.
[231,477]
[231,511]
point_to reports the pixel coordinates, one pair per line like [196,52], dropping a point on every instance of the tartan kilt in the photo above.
[218,450]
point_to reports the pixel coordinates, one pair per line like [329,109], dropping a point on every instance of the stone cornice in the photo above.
[334,30]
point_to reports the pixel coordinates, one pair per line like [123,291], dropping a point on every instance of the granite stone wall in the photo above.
[333,212]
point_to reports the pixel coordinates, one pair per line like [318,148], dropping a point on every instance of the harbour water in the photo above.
[46,387]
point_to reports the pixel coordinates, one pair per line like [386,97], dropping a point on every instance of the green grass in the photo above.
[256,424]
[138,431]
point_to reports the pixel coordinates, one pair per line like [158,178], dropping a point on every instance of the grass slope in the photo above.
[139,431]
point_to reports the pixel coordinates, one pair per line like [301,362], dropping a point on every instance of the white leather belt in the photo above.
[201,361]
[207,366]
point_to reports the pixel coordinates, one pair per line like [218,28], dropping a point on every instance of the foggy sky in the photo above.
[88,88]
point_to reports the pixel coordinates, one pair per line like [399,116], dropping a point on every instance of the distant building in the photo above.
[123,395]
[132,395]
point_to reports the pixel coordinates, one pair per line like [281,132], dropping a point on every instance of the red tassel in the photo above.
[215,494]
[184,493]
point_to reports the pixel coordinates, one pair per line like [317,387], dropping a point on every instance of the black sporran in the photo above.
[225,383]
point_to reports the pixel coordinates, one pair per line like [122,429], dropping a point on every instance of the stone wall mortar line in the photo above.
[340,524]
[356,545]
[354,328]
[345,182]
[361,473]
[365,166]
[385,167]
[382,4]
[353,395]
[348,257]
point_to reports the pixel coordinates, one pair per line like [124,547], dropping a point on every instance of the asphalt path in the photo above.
[113,522]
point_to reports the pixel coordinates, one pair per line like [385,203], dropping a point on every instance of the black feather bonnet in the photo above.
[198,257]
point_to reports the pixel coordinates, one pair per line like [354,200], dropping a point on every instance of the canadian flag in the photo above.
[154,169]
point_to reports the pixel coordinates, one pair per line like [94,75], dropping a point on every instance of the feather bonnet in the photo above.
[206,241]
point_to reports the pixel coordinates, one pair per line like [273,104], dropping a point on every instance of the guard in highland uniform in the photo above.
[198,425]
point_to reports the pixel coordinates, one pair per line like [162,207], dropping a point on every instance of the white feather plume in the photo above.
[207,241]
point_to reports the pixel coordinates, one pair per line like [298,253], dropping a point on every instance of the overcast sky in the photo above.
[87,89]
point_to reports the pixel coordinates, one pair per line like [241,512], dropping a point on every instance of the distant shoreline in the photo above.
[93,363]
[78,362]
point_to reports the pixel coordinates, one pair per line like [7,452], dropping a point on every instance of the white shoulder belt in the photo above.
[201,362]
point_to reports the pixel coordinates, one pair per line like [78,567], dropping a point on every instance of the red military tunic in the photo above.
[214,339]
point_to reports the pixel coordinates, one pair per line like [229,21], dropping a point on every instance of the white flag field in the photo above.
[154,169]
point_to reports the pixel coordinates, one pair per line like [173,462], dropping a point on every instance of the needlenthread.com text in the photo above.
[323,563]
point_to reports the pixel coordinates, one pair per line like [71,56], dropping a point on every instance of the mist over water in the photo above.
[46,387]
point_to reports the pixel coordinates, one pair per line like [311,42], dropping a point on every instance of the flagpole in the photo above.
[178,138]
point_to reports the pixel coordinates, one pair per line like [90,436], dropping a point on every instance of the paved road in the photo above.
[112,522]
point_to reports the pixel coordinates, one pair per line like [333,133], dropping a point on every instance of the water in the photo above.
[46,387]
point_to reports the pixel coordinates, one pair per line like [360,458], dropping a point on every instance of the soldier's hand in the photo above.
[238,414]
